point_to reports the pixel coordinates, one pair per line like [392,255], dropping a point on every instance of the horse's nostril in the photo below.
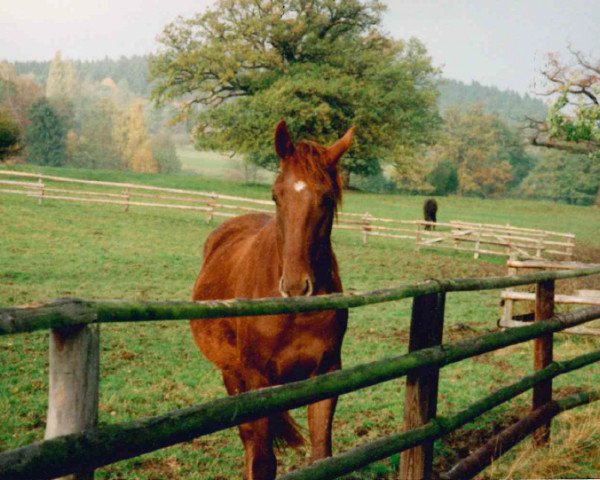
[308,288]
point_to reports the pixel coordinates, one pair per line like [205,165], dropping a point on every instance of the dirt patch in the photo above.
[161,468]
[462,443]
[461,331]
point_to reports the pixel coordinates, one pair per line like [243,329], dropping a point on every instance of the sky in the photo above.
[493,42]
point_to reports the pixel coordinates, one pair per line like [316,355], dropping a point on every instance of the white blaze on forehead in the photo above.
[299,186]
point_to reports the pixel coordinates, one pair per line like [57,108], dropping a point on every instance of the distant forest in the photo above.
[509,105]
[129,71]
[132,72]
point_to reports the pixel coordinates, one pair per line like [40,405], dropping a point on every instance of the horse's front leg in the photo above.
[256,436]
[320,422]
[258,447]
[320,418]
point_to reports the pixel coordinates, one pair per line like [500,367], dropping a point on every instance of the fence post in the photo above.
[418,237]
[420,405]
[126,195]
[542,393]
[211,204]
[569,250]
[539,247]
[507,313]
[41,194]
[73,387]
[478,242]
[366,227]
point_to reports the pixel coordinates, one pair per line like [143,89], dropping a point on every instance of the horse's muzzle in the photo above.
[301,288]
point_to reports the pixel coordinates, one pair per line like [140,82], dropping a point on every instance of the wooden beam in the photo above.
[111,443]
[559,298]
[74,372]
[543,354]
[420,404]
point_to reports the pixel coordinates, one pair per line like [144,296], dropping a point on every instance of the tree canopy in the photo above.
[323,65]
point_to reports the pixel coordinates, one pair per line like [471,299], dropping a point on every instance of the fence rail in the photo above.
[82,451]
[68,312]
[111,443]
[476,238]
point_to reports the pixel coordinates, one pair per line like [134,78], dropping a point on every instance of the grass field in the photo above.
[216,165]
[65,249]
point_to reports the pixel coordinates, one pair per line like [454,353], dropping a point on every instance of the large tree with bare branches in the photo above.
[573,121]
[324,65]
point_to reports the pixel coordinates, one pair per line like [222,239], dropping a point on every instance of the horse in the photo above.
[429,212]
[288,254]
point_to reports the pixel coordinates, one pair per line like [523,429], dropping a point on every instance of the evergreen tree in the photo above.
[45,136]
[9,135]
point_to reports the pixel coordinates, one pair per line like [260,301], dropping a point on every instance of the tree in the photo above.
[323,65]
[9,135]
[45,135]
[472,142]
[163,150]
[62,78]
[17,94]
[94,146]
[138,152]
[443,178]
[573,122]
[564,177]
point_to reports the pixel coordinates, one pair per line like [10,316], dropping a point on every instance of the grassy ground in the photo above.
[216,165]
[66,249]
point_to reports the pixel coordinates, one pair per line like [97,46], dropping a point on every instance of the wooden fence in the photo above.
[75,444]
[510,295]
[477,238]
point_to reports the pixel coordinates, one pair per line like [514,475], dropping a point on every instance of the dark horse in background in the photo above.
[430,208]
[289,254]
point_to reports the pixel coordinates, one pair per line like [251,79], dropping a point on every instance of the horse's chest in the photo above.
[292,347]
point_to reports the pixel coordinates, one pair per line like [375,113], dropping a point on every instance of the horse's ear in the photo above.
[283,141]
[340,147]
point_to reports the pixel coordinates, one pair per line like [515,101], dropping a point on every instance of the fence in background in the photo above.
[510,295]
[75,444]
[477,238]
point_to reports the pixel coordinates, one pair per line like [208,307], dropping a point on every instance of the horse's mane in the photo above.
[311,164]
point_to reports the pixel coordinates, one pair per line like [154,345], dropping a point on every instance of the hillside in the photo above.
[511,106]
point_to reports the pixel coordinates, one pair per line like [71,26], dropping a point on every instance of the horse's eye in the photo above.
[275,198]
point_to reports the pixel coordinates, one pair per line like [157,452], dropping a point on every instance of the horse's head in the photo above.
[306,192]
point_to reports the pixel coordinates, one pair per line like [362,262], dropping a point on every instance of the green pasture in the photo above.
[63,249]
[218,165]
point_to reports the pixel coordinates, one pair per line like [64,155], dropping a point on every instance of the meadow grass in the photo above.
[63,249]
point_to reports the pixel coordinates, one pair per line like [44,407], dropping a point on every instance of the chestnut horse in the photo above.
[288,254]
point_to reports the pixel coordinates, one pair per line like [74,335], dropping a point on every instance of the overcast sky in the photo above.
[495,42]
